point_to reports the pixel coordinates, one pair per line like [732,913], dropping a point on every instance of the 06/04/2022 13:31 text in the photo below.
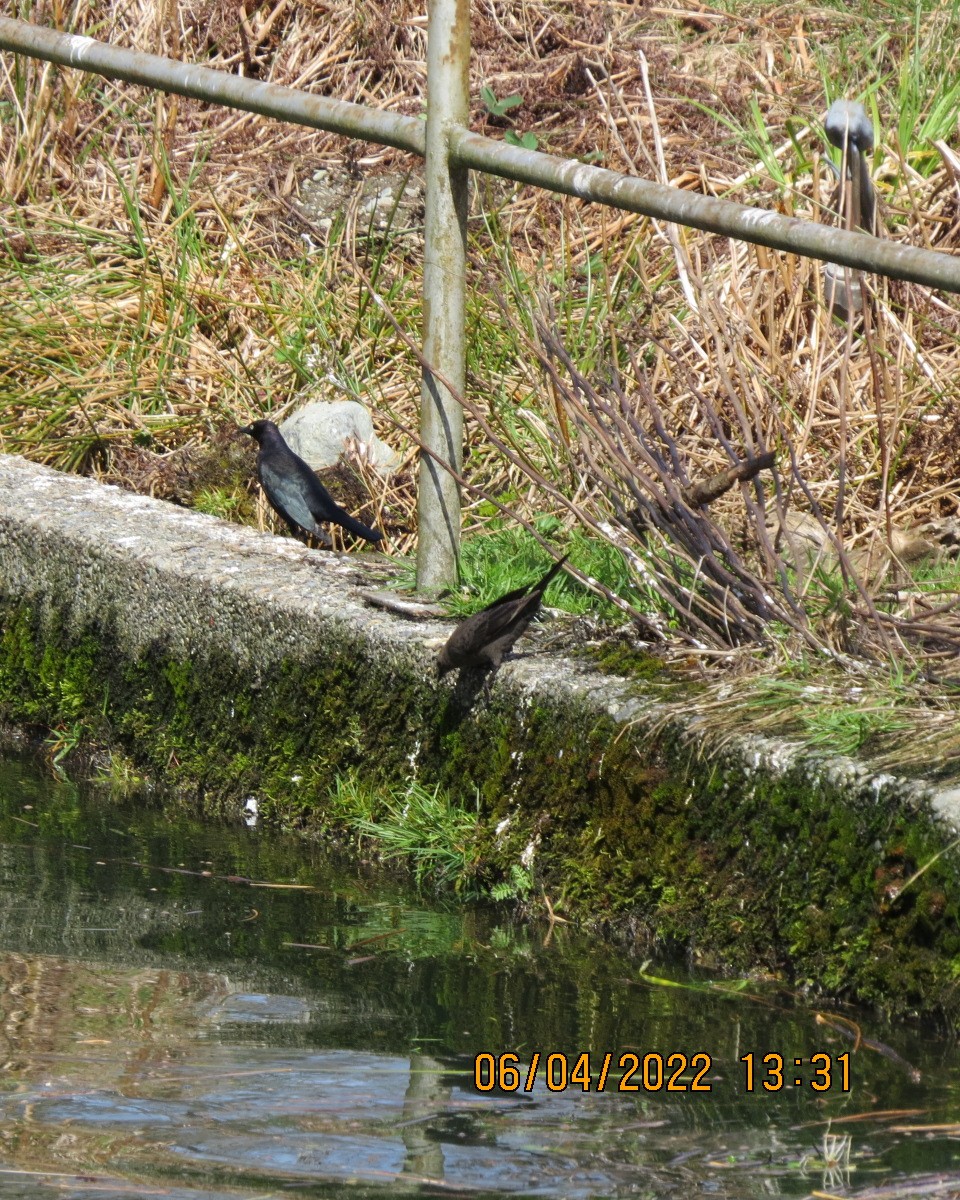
[653,1072]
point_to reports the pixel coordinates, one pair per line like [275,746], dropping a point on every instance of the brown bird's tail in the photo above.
[530,589]
[544,583]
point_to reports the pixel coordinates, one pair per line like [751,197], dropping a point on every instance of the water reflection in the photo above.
[203,1012]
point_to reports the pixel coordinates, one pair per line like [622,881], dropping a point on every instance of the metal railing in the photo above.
[450,150]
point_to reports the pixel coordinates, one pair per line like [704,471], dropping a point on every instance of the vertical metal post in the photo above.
[444,290]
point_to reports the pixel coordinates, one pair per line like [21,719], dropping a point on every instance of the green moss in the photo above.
[618,827]
[620,658]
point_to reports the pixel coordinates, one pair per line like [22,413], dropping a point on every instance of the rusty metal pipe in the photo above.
[215,87]
[472,151]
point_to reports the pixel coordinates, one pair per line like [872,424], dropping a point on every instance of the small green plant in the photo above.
[219,502]
[351,802]
[62,742]
[526,141]
[120,775]
[498,107]
[517,887]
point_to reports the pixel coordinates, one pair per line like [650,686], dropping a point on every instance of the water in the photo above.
[169,1027]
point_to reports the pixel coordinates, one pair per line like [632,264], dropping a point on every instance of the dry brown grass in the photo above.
[185,302]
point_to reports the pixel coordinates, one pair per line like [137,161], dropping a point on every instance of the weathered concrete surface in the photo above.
[228,663]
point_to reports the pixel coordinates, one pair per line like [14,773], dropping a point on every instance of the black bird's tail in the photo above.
[352,525]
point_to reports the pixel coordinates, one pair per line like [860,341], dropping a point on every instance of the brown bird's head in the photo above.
[260,430]
[444,664]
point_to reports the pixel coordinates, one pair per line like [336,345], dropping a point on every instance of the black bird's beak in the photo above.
[248,429]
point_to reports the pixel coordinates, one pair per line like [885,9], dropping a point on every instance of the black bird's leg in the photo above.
[307,536]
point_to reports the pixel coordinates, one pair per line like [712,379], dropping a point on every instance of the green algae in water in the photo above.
[210,1010]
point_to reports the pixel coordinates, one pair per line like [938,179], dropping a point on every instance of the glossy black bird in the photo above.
[294,491]
[483,639]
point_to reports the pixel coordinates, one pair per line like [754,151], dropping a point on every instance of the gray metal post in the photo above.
[444,292]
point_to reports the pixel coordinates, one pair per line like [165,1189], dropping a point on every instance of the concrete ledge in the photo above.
[226,662]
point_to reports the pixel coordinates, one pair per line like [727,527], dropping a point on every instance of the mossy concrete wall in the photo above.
[228,663]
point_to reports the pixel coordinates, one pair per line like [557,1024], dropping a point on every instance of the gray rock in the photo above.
[318,432]
[376,201]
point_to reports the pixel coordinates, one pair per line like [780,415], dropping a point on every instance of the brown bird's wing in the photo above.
[488,635]
[494,651]
[484,638]
[514,612]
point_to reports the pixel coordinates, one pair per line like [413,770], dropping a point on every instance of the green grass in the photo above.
[888,713]
[941,576]
[842,720]
[493,564]
[424,829]
[220,502]
[497,562]
[426,832]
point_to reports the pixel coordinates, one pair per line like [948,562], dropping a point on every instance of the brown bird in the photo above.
[483,639]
